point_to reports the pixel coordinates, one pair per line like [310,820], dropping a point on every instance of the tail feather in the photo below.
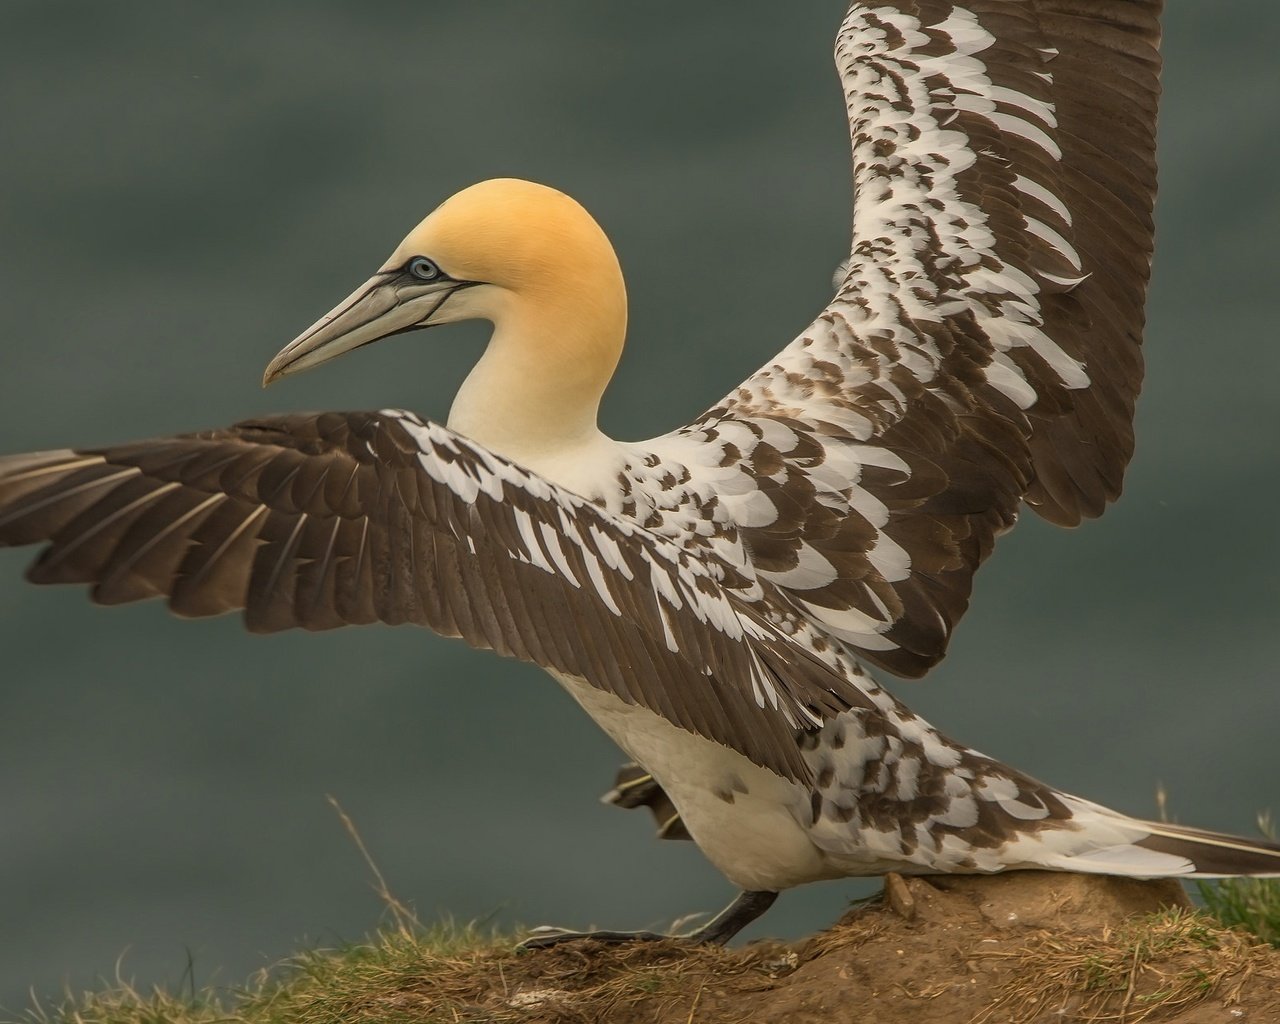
[1129,859]
[1111,843]
[1213,854]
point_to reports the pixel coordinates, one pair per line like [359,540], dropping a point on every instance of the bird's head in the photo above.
[505,250]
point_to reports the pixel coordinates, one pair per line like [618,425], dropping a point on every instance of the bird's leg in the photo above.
[745,908]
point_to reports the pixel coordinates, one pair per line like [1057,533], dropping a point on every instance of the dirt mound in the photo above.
[1011,949]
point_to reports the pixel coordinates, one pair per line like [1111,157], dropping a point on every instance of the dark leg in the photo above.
[719,930]
[736,916]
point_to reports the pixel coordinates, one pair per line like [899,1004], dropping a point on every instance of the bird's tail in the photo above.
[1149,849]
[1090,838]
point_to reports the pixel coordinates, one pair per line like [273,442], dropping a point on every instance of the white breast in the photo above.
[748,821]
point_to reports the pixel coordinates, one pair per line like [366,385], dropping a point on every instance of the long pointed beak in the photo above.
[384,305]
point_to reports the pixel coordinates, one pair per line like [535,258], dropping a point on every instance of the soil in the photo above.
[1020,948]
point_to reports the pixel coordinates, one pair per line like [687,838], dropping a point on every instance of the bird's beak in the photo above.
[388,303]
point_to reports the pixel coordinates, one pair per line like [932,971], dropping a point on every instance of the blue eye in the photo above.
[423,269]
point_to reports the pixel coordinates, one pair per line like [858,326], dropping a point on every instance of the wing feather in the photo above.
[986,327]
[343,518]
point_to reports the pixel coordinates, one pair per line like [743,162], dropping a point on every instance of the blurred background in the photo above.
[188,185]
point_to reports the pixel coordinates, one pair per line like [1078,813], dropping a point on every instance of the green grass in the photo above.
[399,975]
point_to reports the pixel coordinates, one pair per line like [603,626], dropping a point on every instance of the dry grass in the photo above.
[446,975]
[1151,965]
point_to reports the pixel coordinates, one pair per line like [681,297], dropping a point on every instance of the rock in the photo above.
[1061,901]
[897,893]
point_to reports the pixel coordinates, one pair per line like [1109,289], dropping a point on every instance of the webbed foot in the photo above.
[719,930]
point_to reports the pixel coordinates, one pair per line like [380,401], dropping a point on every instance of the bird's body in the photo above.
[710,597]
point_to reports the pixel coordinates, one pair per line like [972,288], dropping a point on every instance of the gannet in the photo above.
[712,597]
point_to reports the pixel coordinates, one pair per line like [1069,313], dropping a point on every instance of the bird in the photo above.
[717,598]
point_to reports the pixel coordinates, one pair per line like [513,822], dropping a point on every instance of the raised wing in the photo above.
[983,345]
[326,520]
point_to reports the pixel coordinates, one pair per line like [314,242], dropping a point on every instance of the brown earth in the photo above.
[1010,949]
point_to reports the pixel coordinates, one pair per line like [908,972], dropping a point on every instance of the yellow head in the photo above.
[519,236]
[522,255]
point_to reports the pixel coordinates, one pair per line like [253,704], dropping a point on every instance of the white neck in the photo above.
[511,405]
[535,393]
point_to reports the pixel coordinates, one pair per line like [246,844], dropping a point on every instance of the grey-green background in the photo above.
[186,185]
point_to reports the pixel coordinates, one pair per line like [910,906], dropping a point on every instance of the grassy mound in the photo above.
[1009,949]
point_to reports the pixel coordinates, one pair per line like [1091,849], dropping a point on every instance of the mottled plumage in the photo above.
[710,596]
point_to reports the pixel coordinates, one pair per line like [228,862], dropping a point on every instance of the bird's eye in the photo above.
[423,269]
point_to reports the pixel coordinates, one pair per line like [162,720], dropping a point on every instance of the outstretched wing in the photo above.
[983,345]
[326,520]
